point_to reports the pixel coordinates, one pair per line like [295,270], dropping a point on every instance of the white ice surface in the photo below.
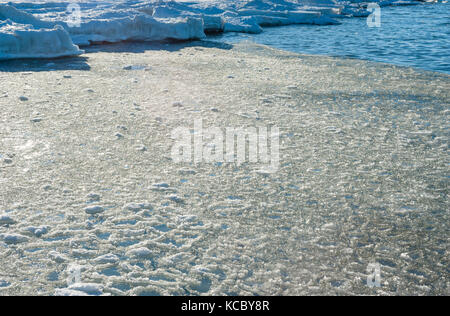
[52,29]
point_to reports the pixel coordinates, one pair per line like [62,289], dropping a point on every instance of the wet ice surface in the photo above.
[363,175]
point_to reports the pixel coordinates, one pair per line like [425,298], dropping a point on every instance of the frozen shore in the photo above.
[87,178]
[50,29]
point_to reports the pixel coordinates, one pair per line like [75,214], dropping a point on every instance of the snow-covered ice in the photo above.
[24,36]
[33,30]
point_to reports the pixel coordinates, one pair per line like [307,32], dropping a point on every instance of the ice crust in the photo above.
[48,29]
[362,178]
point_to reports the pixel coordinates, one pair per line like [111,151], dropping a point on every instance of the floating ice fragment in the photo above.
[88,288]
[57,257]
[68,292]
[187,218]
[329,226]
[108,258]
[83,253]
[176,199]
[141,148]
[136,207]
[94,210]
[37,231]
[93,197]
[13,239]
[140,253]
[162,185]
[185,171]
[135,67]
[173,259]
[6,220]
[22,35]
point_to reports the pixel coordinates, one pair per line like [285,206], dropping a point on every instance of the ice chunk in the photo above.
[57,257]
[92,210]
[69,292]
[88,288]
[160,186]
[37,231]
[13,239]
[6,220]
[136,207]
[176,199]
[138,28]
[108,258]
[93,197]
[140,253]
[24,36]
[26,42]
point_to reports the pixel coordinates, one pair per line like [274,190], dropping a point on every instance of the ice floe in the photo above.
[69,292]
[12,239]
[78,288]
[37,231]
[136,207]
[33,30]
[92,210]
[140,253]
[23,36]
[57,257]
[107,259]
[6,220]
[93,197]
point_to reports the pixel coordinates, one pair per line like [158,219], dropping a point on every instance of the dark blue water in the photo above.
[416,36]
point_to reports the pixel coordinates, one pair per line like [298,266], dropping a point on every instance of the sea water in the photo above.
[416,36]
